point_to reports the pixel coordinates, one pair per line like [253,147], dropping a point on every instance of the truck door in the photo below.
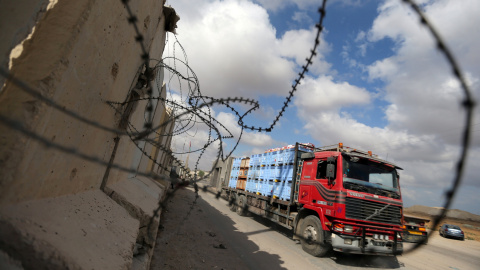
[328,187]
[320,186]
[326,179]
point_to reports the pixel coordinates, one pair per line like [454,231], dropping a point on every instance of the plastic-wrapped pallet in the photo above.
[266,173]
[277,173]
[267,188]
[264,159]
[257,159]
[272,158]
[258,186]
[280,157]
[278,188]
[287,172]
[261,173]
[285,194]
[289,156]
[250,180]
[233,182]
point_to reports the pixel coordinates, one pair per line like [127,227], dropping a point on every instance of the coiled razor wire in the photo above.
[195,110]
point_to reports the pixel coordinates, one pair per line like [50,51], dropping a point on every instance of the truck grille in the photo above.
[362,209]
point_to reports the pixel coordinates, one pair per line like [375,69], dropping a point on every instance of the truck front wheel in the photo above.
[311,237]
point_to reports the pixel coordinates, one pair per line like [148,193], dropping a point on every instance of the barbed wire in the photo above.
[194,109]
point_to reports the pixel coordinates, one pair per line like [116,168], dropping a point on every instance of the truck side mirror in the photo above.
[331,173]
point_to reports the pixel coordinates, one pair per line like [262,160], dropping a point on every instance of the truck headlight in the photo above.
[338,227]
[348,229]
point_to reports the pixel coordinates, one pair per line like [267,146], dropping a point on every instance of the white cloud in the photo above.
[347,2]
[362,45]
[297,44]
[302,17]
[276,5]
[255,139]
[233,49]
[424,96]
[181,146]
[323,94]
[383,68]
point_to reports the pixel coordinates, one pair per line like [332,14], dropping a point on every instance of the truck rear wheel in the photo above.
[232,202]
[311,237]
[241,205]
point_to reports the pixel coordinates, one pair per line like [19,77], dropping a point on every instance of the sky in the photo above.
[377,83]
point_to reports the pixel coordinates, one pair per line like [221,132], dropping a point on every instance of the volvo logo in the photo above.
[356,194]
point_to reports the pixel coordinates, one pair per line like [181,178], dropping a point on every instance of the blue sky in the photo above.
[377,83]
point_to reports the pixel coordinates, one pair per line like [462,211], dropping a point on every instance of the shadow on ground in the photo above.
[194,235]
[368,261]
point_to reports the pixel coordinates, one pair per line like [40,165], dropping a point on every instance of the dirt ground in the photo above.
[182,224]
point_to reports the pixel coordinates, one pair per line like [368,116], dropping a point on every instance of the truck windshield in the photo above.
[362,174]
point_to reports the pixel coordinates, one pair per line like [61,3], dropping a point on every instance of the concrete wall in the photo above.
[79,54]
[221,173]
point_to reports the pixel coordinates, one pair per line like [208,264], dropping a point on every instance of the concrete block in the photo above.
[82,231]
[140,196]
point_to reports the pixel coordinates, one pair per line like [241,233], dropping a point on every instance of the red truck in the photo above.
[332,197]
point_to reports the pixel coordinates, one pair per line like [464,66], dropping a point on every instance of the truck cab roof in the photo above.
[339,149]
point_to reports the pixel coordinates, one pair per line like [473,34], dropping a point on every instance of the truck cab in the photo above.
[357,199]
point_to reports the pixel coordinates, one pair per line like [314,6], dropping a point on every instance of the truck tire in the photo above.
[241,205]
[311,237]
[232,202]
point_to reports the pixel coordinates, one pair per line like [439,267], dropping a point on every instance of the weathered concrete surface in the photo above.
[140,196]
[83,231]
[81,54]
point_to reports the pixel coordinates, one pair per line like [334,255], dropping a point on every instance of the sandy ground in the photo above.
[204,234]
[186,239]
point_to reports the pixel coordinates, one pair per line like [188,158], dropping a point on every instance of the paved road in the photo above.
[258,244]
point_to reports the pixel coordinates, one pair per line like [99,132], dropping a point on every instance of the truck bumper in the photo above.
[357,245]
[413,238]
